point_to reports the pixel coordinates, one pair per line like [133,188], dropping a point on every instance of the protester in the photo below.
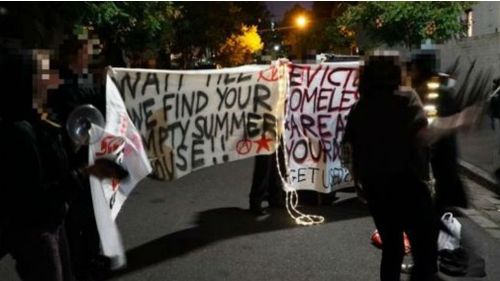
[37,201]
[44,181]
[266,183]
[494,112]
[382,132]
[81,86]
[432,89]
[437,96]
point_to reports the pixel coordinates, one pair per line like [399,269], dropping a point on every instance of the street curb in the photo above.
[475,212]
[479,176]
[482,220]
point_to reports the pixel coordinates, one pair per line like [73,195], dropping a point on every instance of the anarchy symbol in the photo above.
[244,146]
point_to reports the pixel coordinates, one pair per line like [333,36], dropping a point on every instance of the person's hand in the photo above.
[104,168]
[470,117]
[465,120]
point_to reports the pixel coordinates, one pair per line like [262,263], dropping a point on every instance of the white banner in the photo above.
[317,103]
[121,143]
[189,120]
[195,119]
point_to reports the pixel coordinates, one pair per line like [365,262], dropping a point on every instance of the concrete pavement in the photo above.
[207,234]
[479,158]
[480,152]
[197,228]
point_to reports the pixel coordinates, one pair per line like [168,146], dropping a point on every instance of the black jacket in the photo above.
[381,129]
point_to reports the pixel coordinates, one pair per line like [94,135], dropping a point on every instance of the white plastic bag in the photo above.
[451,240]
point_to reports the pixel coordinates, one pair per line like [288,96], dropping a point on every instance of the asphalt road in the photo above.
[198,228]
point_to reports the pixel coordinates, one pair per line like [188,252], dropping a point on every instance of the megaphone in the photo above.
[80,121]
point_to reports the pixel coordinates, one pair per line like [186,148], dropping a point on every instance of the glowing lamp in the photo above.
[432,95]
[433,85]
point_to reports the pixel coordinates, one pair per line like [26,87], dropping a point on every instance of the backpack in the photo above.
[453,262]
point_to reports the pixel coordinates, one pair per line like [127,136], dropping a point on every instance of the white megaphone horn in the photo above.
[80,122]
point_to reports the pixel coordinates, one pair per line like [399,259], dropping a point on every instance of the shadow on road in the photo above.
[223,223]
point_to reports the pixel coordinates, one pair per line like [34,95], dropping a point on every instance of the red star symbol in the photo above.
[263,143]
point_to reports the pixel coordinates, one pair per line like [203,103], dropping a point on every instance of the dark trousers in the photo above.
[402,203]
[82,233]
[450,191]
[40,253]
[266,182]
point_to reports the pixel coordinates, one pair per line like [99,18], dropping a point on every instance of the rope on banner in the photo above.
[292,197]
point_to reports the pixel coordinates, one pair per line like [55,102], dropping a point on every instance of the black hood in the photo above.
[16,77]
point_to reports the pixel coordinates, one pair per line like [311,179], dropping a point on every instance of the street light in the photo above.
[300,22]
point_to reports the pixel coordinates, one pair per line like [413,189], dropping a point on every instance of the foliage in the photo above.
[403,22]
[37,24]
[142,29]
[204,26]
[326,35]
[238,48]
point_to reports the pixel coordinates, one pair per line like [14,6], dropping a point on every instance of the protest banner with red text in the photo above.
[317,103]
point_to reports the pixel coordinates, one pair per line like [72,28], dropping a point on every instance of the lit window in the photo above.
[469,21]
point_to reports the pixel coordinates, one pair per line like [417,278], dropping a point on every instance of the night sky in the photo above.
[278,8]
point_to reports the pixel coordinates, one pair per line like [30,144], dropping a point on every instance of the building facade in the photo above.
[481,43]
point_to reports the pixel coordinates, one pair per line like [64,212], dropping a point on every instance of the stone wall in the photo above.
[486,18]
[484,49]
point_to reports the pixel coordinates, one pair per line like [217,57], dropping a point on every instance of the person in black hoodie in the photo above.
[34,208]
[79,87]
[382,132]
[36,203]
[449,188]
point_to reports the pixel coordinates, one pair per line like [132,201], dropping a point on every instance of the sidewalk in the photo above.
[484,208]
[479,158]
[479,153]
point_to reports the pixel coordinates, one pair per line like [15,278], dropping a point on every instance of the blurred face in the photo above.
[83,61]
[421,70]
[79,63]
[44,79]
